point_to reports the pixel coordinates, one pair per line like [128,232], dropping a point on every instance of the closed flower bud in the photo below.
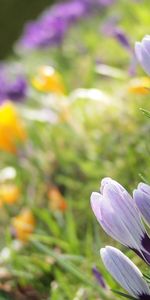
[118,215]
[125,272]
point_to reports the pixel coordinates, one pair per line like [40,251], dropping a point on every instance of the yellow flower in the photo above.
[9,193]
[24,225]
[139,86]
[56,200]
[48,80]
[11,129]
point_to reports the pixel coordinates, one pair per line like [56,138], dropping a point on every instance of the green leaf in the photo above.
[146,112]
[143,178]
[147,277]
[124,295]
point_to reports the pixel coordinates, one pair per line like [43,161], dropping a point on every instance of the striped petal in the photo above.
[125,272]
[125,208]
[142,200]
[111,222]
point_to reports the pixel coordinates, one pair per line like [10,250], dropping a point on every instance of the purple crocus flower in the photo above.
[118,215]
[51,27]
[122,38]
[142,198]
[111,29]
[99,277]
[70,11]
[142,51]
[125,272]
[12,86]
[17,90]
[41,34]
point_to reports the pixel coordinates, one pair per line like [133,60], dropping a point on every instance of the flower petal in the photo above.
[124,271]
[143,203]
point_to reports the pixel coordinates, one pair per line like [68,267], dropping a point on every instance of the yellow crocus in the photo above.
[24,225]
[11,128]
[56,201]
[139,86]
[48,80]
[9,193]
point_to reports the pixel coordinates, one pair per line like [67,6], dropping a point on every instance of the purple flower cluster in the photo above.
[51,27]
[12,86]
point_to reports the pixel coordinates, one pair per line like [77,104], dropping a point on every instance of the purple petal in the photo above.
[144,187]
[111,221]
[99,277]
[142,51]
[142,200]
[138,51]
[124,271]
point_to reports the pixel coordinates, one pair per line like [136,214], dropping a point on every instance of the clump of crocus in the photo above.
[51,27]
[119,216]
[139,86]
[23,225]
[48,80]
[9,193]
[125,272]
[11,128]
[56,200]
[13,84]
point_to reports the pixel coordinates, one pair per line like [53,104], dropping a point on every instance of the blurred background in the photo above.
[71,93]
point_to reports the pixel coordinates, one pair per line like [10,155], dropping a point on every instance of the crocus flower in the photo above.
[111,29]
[142,51]
[52,26]
[11,128]
[48,80]
[12,86]
[142,198]
[71,11]
[118,215]
[56,200]
[122,38]
[99,277]
[125,273]
[23,225]
[42,34]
